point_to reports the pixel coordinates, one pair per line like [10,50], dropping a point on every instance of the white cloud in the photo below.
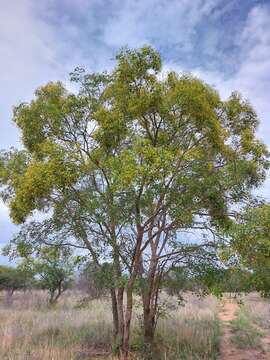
[7,228]
[252,76]
[164,22]
[27,59]
[32,52]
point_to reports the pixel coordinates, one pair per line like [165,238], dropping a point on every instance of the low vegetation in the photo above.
[192,331]
[29,329]
[259,310]
[245,332]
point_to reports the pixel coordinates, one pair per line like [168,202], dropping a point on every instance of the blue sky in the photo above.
[225,42]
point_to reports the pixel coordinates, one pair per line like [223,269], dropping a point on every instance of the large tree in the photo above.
[128,165]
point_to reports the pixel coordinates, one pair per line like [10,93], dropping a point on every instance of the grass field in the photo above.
[30,330]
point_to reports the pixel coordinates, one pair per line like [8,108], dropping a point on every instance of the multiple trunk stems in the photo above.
[122,310]
[122,315]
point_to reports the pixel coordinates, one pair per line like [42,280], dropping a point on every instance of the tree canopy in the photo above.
[14,278]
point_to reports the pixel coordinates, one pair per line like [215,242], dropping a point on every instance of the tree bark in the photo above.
[149,317]
[149,329]
[128,316]
[121,317]
[115,314]
[117,295]
[149,320]
[149,300]
[129,293]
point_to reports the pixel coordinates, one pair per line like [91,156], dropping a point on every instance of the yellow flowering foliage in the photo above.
[134,129]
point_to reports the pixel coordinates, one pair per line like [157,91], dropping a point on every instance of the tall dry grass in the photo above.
[191,331]
[259,309]
[30,330]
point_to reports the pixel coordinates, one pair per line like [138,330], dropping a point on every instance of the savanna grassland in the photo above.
[78,328]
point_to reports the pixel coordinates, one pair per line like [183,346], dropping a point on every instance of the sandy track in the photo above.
[228,351]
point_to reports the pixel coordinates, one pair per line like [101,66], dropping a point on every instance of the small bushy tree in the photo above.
[54,268]
[14,278]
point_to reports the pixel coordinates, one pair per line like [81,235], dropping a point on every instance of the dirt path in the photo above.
[228,350]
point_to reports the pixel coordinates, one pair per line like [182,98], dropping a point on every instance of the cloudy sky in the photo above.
[225,42]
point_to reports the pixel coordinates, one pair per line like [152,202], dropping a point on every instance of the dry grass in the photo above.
[191,331]
[31,331]
[259,309]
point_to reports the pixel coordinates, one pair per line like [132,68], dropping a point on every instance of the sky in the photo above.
[224,42]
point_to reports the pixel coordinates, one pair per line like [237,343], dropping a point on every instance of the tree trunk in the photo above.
[119,321]
[54,297]
[149,317]
[121,317]
[127,323]
[149,327]
[115,314]
[149,300]
[9,298]
[51,299]
[59,292]
[130,288]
